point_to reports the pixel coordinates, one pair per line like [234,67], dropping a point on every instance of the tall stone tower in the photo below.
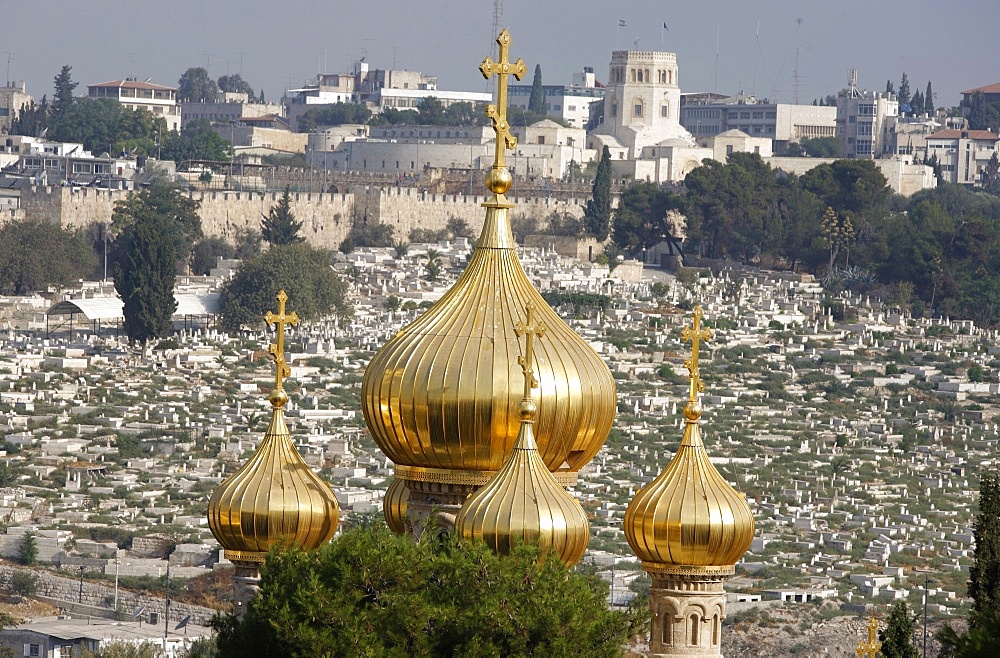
[642,100]
[689,527]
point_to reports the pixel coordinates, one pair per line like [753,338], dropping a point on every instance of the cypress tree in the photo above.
[929,100]
[597,216]
[536,102]
[897,636]
[904,90]
[279,225]
[984,576]
[144,276]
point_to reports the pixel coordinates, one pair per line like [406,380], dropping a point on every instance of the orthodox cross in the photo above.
[277,350]
[498,112]
[870,648]
[530,330]
[694,334]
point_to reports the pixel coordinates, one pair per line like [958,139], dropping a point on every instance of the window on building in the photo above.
[694,638]
[614,109]
[32,649]
[744,115]
[758,115]
[852,119]
[639,75]
[664,111]
[729,149]
[637,111]
[541,139]
[571,108]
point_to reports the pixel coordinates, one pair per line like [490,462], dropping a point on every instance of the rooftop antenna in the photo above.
[797,81]
[753,81]
[715,88]
[9,54]
[497,17]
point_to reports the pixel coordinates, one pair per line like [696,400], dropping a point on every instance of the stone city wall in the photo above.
[103,597]
[326,218]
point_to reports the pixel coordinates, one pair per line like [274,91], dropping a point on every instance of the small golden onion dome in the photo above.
[394,504]
[523,502]
[689,515]
[443,393]
[274,497]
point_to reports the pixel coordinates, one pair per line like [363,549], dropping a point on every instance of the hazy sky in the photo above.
[279,44]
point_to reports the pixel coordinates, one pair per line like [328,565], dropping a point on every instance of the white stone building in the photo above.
[160,101]
[962,154]
[569,103]
[865,121]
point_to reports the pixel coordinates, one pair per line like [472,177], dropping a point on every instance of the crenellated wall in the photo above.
[326,218]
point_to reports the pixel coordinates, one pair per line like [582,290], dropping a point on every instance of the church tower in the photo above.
[642,100]
[689,527]
[443,398]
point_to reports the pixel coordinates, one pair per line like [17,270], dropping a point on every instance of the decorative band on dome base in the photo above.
[471,477]
[254,557]
[688,570]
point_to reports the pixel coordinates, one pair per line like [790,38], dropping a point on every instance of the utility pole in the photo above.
[166,608]
[926,582]
[79,598]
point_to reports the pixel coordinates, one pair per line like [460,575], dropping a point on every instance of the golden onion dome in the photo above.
[523,501]
[274,497]
[394,504]
[689,515]
[441,399]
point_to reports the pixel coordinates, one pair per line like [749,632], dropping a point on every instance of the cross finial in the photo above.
[694,334]
[277,350]
[870,648]
[498,112]
[531,329]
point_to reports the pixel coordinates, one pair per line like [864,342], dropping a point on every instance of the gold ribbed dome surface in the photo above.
[274,497]
[689,515]
[441,397]
[394,505]
[523,501]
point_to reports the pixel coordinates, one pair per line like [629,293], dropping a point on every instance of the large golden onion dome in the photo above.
[523,501]
[441,397]
[689,515]
[274,497]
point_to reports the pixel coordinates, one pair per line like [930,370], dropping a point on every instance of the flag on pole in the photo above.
[182,623]
[622,23]
[665,26]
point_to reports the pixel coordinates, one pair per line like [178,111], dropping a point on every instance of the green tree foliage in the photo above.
[929,100]
[597,215]
[36,254]
[734,207]
[144,276]
[335,114]
[314,290]
[105,125]
[196,86]
[536,102]
[235,84]
[197,141]
[363,234]
[431,111]
[393,117]
[27,553]
[983,113]
[182,224]
[206,254]
[31,119]
[897,636]
[815,147]
[62,99]
[904,90]
[984,576]
[639,220]
[279,225]
[370,592]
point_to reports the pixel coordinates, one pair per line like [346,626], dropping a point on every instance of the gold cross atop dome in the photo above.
[277,350]
[694,334]
[870,648]
[530,330]
[498,112]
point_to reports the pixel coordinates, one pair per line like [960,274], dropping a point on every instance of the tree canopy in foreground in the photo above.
[372,593]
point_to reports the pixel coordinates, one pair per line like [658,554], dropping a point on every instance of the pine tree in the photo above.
[889,89]
[929,100]
[63,97]
[904,90]
[279,225]
[984,576]
[897,636]
[28,552]
[146,269]
[536,102]
[917,103]
[597,216]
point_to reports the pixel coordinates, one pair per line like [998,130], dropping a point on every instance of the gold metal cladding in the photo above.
[684,570]
[277,350]
[274,496]
[689,515]
[473,478]
[394,504]
[694,334]
[523,501]
[247,557]
[443,393]
[498,112]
